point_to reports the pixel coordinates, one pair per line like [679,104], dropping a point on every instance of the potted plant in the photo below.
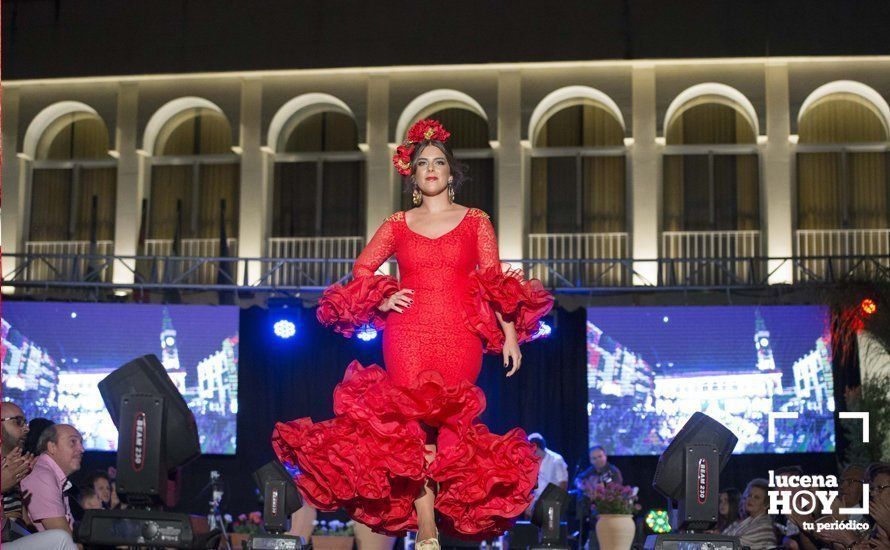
[333,535]
[614,505]
[244,527]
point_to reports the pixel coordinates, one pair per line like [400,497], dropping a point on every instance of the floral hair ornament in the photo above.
[423,130]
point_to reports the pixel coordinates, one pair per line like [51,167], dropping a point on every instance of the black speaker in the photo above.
[147,375]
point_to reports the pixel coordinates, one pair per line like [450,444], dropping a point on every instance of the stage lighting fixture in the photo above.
[658,521]
[688,475]
[546,515]
[868,306]
[280,500]
[544,330]
[366,333]
[157,435]
[284,329]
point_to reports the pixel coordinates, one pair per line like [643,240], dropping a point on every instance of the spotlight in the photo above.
[868,306]
[544,330]
[366,333]
[658,521]
[284,329]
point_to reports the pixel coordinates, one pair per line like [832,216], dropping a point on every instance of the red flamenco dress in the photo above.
[369,459]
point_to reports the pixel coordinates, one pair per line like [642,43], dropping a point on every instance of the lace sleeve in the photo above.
[500,289]
[351,306]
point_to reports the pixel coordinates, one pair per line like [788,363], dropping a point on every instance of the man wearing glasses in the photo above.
[17,465]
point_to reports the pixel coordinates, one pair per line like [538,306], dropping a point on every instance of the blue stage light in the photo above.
[543,331]
[367,333]
[284,329]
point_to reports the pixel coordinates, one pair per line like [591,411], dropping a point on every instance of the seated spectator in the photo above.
[35,428]
[728,509]
[756,530]
[878,476]
[89,499]
[61,451]
[100,483]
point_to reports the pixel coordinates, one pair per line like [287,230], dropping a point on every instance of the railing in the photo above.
[855,243]
[190,271]
[735,250]
[257,275]
[554,247]
[340,252]
[66,260]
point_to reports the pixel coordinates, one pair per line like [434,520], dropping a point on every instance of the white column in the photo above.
[509,193]
[777,169]
[382,186]
[253,208]
[645,176]
[128,205]
[14,216]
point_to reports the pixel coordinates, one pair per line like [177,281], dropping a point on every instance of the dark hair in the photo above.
[789,471]
[96,475]
[35,428]
[50,433]
[86,492]
[734,498]
[458,169]
[597,448]
[875,469]
[538,440]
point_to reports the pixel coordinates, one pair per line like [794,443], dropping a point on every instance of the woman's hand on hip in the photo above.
[398,301]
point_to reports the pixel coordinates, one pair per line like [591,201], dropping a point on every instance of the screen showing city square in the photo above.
[55,354]
[650,368]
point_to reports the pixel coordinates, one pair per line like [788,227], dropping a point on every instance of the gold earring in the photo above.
[450,192]
[417,196]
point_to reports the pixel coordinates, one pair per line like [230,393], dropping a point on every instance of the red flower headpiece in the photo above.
[426,129]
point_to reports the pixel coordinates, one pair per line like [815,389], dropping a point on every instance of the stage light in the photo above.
[284,329]
[543,331]
[868,306]
[366,333]
[658,521]
[74,315]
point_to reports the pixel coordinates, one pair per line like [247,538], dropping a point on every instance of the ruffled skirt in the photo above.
[369,459]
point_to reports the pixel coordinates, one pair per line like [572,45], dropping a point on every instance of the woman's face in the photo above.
[755,501]
[431,172]
[724,504]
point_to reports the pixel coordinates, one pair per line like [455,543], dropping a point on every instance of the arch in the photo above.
[165,114]
[715,92]
[869,94]
[298,109]
[432,101]
[569,97]
[46,118]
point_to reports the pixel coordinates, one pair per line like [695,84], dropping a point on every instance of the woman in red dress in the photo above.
[405,444]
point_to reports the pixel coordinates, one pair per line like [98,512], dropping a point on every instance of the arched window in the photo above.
[578,190]
[842,176]
[319,178]
[711,173]
[194,184]
[469,142]
[318,209]
[578,182]
[73,183]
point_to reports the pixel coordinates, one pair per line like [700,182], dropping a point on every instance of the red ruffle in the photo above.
[520,301]
[369,459]
[348,307]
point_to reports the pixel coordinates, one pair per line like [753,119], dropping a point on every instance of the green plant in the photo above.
[873,397]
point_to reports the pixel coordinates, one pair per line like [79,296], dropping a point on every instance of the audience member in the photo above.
[756,530]
[89,498]
[61,450]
